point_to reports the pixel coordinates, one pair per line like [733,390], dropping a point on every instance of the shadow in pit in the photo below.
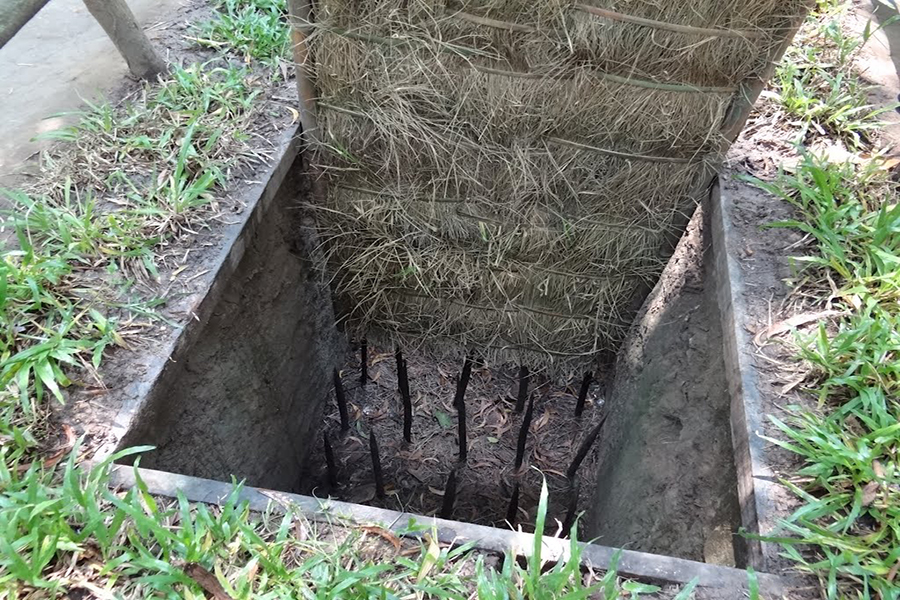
[667,484]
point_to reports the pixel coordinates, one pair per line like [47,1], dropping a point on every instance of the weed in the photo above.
[256,29]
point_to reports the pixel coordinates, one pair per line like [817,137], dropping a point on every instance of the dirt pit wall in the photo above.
[667,483]
[251,392]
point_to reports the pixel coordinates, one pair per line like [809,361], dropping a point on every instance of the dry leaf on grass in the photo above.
[206,580]
[384,534]
[790,324]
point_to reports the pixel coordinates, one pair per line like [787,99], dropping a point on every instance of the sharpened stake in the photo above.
[460,403]
[449,496]
[513,511]
[523,389]
[585,448]
[403,386]
[572,509]
[364,362]
[523,433]
[329,461]
[341,401]
[376,465]
[582,394]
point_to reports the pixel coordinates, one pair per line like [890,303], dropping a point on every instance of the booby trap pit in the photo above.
[273,393]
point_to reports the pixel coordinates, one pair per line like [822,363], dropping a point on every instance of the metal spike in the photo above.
[376,465]
[329,461]
[449,496]
[523,433]
[582,394]
[585,447]
[523,389]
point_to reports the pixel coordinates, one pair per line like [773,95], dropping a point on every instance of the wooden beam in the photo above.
[300,15]
[14,14]
[122,28]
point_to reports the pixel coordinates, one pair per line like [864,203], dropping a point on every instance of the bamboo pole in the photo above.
[122,28]
[14,14]
[300,12]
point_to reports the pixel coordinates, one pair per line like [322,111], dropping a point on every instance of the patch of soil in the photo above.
[416,473]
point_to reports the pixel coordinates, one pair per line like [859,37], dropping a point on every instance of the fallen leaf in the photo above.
[383,533]
[206,580]
[790,324]
[295,114]
[892,574]
[878,468]
[430,559]
[493,440]
[870,493]
[443,419]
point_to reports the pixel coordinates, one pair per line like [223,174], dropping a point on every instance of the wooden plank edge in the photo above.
[632,565]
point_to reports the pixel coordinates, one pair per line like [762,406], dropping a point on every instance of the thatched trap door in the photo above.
[512,176]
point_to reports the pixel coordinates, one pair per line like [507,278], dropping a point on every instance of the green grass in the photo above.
[65,529]
[255,29]
[815,83]
[849,484]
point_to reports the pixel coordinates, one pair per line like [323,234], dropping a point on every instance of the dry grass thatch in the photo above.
[510,176]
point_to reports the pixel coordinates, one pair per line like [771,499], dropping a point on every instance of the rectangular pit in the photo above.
[253,396]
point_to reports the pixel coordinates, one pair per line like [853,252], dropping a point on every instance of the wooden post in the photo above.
[14,14]
[122,28]
[301,14]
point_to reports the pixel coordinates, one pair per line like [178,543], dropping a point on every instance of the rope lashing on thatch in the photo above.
[614,16]
[634,81]
[674,27]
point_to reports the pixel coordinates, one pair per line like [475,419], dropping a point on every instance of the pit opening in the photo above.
[255,399]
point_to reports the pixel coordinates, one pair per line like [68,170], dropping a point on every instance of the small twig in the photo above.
[585,447]
[449,496]
[582,394]
[341,401]
[523,389]
[376,465]
[329,461]
[460,403]
[523,433]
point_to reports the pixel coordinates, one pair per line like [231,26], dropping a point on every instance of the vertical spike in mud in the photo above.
[582,394]
[460,403]
[523,433]
[523,389]
[513,511]
[585,448]
[341,401]
[403,386]
[364,361]
[329,461]
[449,496]
[376,464]
[572,510]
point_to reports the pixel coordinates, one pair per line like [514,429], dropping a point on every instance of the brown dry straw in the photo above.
[510,175]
